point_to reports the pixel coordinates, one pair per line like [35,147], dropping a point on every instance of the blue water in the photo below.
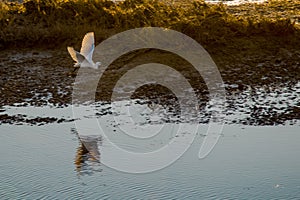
[38,162]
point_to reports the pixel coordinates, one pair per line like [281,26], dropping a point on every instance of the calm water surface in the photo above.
[249,162]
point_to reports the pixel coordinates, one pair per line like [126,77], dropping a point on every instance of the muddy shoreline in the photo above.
[45,77]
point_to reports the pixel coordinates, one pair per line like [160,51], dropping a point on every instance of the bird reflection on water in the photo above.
[87,159]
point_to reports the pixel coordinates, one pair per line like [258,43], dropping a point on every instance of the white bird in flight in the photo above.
[84,58]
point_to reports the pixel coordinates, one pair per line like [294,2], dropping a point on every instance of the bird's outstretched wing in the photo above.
[89,57]
[87,46]
[79,57]
[72,53]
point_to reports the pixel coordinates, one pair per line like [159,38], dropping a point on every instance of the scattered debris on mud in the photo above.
[264,90]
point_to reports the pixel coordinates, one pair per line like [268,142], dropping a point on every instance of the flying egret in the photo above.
[84,58]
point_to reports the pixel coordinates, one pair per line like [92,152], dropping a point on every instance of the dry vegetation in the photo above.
[52,23]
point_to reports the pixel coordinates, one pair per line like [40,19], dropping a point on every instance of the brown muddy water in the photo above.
[256,156]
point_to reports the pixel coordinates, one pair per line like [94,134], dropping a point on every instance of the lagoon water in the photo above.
[43,159]
[248,162]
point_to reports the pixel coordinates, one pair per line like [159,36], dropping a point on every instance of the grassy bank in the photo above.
[53,23]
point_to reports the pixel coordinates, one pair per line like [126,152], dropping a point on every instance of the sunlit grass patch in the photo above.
[54,22]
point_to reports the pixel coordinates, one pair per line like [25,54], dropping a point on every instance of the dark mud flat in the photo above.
[35,77]
[264,89]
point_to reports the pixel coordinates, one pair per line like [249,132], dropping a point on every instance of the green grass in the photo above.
[52,23]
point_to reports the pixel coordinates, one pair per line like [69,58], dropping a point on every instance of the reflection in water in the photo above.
[144,126]
[87,160]
[256,163]
[268,105]
[81,157]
